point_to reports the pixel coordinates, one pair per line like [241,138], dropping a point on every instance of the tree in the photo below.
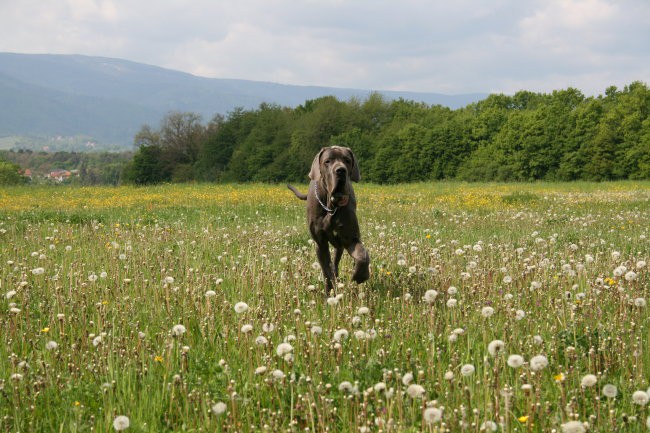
[10,174]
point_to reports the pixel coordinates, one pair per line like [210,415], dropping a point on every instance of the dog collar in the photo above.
[328,210]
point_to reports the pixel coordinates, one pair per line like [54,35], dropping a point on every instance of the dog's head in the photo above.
[336,167]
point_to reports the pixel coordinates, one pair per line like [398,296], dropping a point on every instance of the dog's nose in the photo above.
[341,171]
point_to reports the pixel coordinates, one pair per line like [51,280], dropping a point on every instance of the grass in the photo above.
[108,273]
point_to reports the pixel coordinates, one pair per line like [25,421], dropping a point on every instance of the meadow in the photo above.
[200,308]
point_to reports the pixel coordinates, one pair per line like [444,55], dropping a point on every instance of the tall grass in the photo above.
[107,274]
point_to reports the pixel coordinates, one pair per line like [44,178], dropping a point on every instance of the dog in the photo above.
[331,213]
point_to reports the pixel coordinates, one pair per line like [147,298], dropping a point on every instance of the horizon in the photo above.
[462,48]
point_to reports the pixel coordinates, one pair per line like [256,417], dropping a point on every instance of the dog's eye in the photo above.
[327,161]
[348,161]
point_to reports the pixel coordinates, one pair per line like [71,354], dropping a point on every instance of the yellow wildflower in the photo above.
[46,329]
[523,418]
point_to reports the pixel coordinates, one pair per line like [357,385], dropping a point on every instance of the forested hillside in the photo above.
[525,137]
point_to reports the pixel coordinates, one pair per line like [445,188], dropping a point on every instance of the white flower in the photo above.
[38,271]
[17,377]
[452,291]
[219,408]
[283,349]
[430,296]
[340,334]
[121,422]
[210,294]
[640,397]
[10,294]
[467,370]
[538,362]
[610,391]
[178,330]
[278,374]
[507,279]
[489,426]
[451,303]
[487,311]
[379,387]
[412,269]
[261,341]
[432,415]
[616,255]
[268,327]
[241,307]
[332,301]
[588,381]
[407,379]
[630,276]
[246,328]
[345,386]
[316,330]
[169,280]
[449,375]
[535,285]
[362,311]
[495,346]
[639,302]
[520,314]
[477,248]
[415,391]
[640,264]
[515,361]
[573,427]
[51,345]
[97,340]
[260,370]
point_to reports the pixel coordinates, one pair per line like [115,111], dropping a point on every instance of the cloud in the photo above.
[453,47]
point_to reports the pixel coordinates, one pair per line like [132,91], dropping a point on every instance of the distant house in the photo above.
[27,173]
[59,175]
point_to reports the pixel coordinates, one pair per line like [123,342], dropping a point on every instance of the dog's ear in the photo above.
[314,173]
[355,176]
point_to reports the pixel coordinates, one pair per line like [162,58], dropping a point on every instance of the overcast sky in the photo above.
[444,46]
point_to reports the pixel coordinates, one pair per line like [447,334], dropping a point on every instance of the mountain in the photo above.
[108,100]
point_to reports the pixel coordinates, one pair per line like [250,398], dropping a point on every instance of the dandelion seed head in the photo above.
[515,361]
[588,381]
[640,397]
[432,415]
[178,330]
[415,391]
[51,345]
[121,422]
[487,311]
[241,307]
[495,347]
[283,348]
[573,427]
[538,362]
[467,370]
[610,391]
[407,379]
[219,408]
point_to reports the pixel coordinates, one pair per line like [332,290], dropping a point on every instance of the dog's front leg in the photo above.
[325,260]
[361,262]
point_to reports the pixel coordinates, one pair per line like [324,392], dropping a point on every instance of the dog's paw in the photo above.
[361,274]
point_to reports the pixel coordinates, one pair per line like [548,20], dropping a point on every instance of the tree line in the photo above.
[558,136]
[528,136]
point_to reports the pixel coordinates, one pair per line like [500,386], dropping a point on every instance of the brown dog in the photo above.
[331,212]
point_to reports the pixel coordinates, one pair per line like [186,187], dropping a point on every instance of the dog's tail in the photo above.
[298,194]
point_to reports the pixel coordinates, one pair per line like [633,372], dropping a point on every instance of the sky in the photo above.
[441,46]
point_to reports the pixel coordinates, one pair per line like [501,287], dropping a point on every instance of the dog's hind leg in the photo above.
[325,260]
[337,260]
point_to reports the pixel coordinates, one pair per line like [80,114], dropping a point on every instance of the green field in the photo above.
[507,306]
